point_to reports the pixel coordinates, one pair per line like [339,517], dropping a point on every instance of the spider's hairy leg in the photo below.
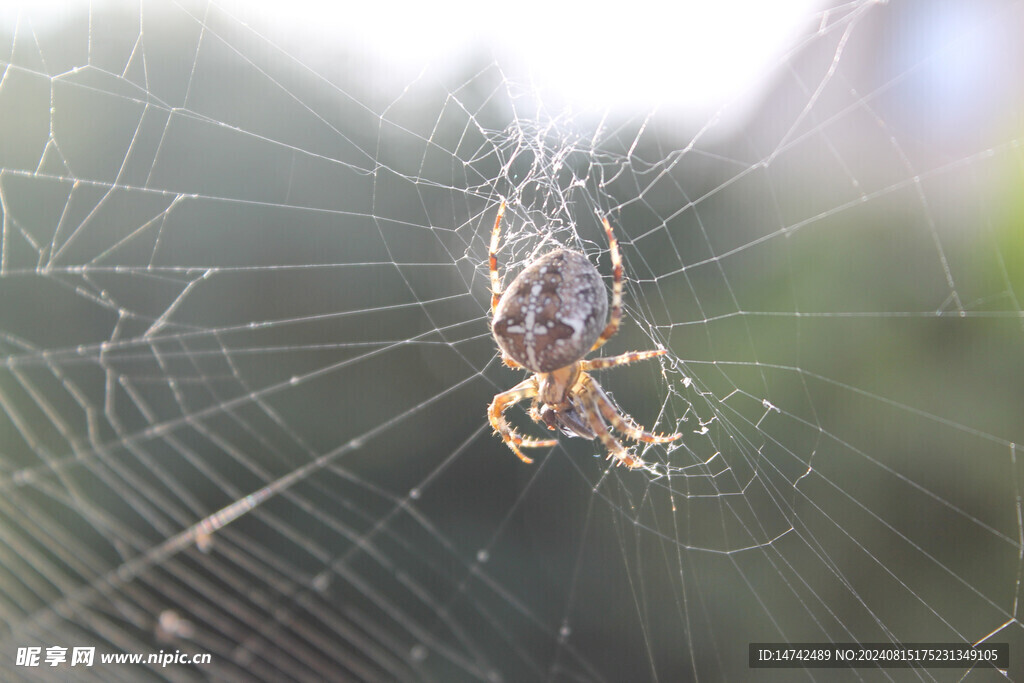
[496,413]
[616,313]
[625,424]
[507,360]
[588,394]
[623,359]
[492,263]
[493,259]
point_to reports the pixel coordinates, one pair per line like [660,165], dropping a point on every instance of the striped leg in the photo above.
[593,415]
[616,314]
[496,277]
[623,359]
[493,259]
[496,413]
[625,424]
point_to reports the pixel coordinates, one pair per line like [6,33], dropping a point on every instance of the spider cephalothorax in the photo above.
[550,317]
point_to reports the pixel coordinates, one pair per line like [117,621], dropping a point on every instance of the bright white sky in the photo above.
[635,55]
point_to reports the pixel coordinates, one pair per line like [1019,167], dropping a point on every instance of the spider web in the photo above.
[244,312]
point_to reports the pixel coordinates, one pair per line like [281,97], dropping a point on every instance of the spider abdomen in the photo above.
[552,313]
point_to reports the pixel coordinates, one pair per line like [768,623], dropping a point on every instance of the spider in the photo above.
[551,316]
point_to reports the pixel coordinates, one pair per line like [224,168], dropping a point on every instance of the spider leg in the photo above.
[496,277]
[616,313]
[507,360]
[624,359]
[535,415]
[594,420]
[493,259]
[496,413]
[623,422]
